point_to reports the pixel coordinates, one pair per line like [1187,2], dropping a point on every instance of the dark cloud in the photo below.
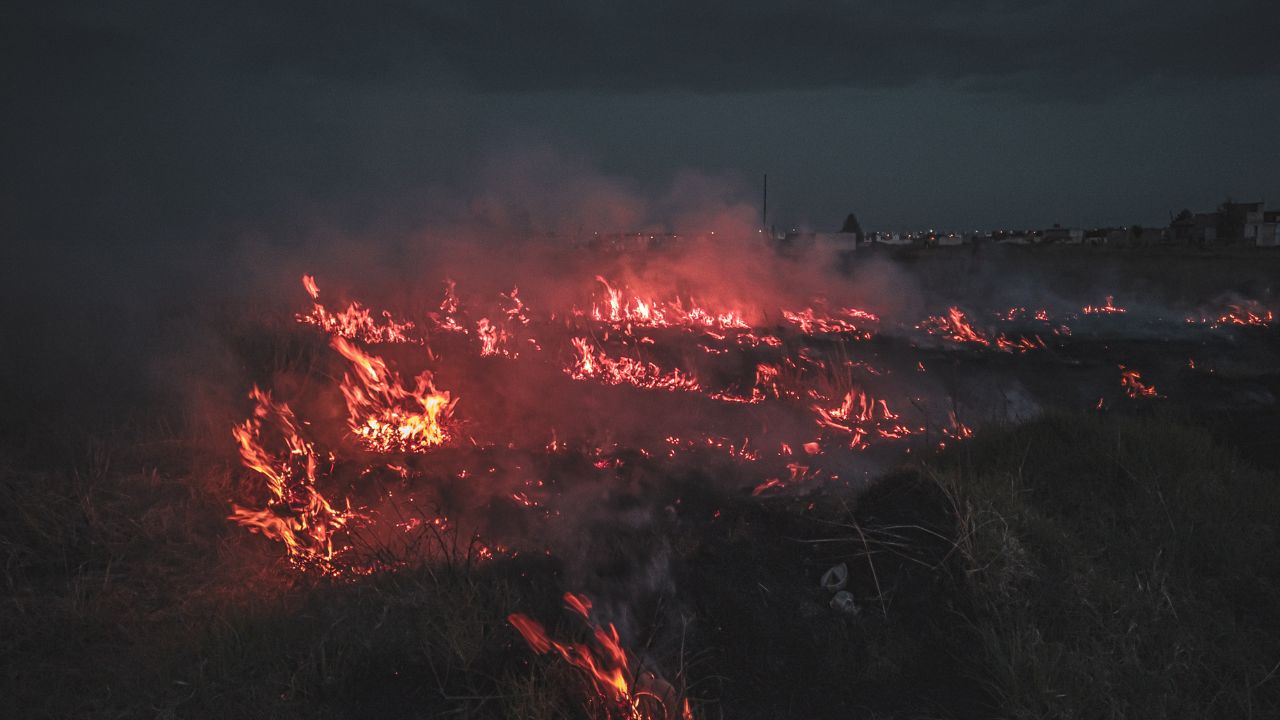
[1072,48]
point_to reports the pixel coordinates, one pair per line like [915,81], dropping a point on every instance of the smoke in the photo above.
[539,459]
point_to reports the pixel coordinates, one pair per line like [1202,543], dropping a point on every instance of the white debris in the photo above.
[844,602]
[836,578]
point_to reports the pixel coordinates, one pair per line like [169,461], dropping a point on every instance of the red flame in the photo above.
[382,413]
[618,691]
[1133,385]
[295,513]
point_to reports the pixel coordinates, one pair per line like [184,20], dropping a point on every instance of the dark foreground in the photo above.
[1076,566]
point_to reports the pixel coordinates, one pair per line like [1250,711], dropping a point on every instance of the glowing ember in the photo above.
[617,691]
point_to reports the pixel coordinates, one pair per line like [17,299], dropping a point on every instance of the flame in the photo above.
[954,326]
[859,415]
[356,322]
[618,692]
[592,363]
[1108,309]
[494,339]
[295,513]
[618,308]
[807,375]
[382,413]
[1133,385]
[1251,313]
[811,322]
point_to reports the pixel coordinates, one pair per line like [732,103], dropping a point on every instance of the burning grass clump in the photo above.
[1122,568]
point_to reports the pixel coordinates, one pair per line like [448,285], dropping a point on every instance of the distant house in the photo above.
[1204,228]
[1182,228]
[1010,237]
[893,238]
[1239,221]
[1143,235]
[1268,231]
[1063,236]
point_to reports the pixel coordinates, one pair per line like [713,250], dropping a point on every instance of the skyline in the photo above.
[153,120]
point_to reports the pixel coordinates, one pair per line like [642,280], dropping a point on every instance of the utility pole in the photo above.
[764,206]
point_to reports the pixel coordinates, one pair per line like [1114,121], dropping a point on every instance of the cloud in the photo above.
[1054,48]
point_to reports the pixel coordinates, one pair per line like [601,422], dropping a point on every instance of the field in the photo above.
[1049,478]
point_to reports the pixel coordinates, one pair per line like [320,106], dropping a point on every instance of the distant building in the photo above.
[893,238]
[1268,232]
[853,227]
[1204,228]
[1062,236]
[1182,228]
[1239,222]
[1010,237]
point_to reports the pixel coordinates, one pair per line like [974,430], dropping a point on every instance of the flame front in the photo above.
[294,513]
[617,692]
[382,413]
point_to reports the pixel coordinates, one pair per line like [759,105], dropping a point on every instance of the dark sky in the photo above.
[151,119]
[158,154]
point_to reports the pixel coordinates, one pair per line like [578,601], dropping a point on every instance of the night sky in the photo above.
[147,143]
[130,115]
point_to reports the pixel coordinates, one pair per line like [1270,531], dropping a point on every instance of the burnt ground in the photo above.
[1067,563]
[1130,573]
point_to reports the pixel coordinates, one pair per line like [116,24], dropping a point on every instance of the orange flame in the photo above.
[859,415]
[1109,308]
[619,308]
[618,691]
[384,415]
[592,363]
[295,513]
[356,322]
[1133,385]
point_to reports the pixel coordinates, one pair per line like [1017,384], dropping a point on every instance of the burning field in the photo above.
[652,486]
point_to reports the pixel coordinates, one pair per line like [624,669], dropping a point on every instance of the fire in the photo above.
[805,375]
[811,322]
[494,339]
[1133,385]
[592,363]
[1250,313]
[618,692]
[382,413]
[1109,308]
[295,513]
[955,327]
[618,308]
[859,415]
[356,322]
[447,319]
